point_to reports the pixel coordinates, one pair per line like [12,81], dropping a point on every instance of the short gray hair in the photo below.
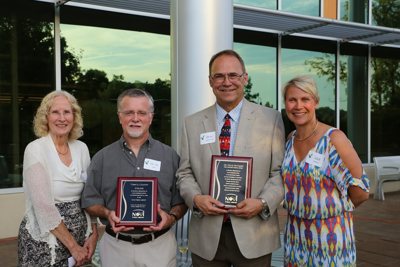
[135,92]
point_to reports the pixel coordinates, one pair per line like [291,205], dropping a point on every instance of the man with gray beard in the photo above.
[135,154]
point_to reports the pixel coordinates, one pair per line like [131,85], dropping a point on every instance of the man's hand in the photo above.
[208,205]
[248,208]
[113,219]
[166,221]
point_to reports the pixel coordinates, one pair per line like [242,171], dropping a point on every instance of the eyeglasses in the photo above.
[131,113]
[232,76]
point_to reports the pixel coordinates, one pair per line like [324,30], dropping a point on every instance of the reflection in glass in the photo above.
[343,101]
[257,3]
[26,71]
[106,67]
[385,107]
[354,108]
[304,7]
[260,64]
[386,13]
[354,10]
[315,64]
[385,87]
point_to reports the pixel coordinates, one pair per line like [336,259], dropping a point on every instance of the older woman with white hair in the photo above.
[55,231]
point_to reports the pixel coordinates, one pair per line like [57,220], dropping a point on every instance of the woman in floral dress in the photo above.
[324,181]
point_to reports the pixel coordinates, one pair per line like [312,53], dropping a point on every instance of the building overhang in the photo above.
[261,20]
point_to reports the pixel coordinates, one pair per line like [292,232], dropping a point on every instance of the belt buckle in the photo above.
[134,239]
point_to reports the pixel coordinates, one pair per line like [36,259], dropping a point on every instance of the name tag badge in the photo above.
[207,138]
[151,164]
[315,159]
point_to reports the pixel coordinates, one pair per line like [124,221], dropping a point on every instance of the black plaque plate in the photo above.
[230,181]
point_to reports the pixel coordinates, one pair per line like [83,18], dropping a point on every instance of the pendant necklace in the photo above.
[311,134]
[62,153]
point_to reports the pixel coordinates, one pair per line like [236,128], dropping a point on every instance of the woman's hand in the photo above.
[80,255]
[91,242]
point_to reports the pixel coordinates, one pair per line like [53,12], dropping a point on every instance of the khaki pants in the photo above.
[159,252]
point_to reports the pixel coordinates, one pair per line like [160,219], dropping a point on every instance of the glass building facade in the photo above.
[104,52]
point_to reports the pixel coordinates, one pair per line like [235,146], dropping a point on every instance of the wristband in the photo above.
[173,215]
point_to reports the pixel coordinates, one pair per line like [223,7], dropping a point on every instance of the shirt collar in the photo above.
[234,113]
[124,145]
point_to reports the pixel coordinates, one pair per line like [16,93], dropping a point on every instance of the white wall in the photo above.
[12,207]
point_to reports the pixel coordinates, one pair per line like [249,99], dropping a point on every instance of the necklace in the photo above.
[311,134]
[63,153]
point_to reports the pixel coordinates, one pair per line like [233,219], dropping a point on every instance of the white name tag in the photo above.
[151,164]
[315,159]
[207,138]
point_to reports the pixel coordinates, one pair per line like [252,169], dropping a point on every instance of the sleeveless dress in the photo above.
[319,228]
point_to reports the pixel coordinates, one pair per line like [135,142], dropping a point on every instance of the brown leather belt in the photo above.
[136,240]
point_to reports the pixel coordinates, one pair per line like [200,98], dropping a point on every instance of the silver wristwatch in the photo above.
[197,213]
[264,214]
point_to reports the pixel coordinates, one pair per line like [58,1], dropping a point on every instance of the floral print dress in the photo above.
[319,229]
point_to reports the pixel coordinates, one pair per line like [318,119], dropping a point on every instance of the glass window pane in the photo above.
[354,102]
[386,13]
[385,107]
[26,75]
[319,66]
[354,10]
[110,61]
[304,7]
[261,66]
[271,4]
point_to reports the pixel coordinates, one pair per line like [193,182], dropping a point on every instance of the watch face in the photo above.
[264,214]
[264,203]
[197,214]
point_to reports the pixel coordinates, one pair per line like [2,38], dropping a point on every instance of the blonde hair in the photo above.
[40,122]
[305,83]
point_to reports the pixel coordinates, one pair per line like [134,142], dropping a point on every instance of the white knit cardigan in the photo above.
[41,162]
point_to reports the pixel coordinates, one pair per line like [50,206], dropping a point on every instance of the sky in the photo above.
[138,56]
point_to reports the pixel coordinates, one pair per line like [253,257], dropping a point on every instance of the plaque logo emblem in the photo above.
[231,199]
[138,214]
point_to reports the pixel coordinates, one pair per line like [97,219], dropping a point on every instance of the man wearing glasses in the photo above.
[247,234]
[135,154]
